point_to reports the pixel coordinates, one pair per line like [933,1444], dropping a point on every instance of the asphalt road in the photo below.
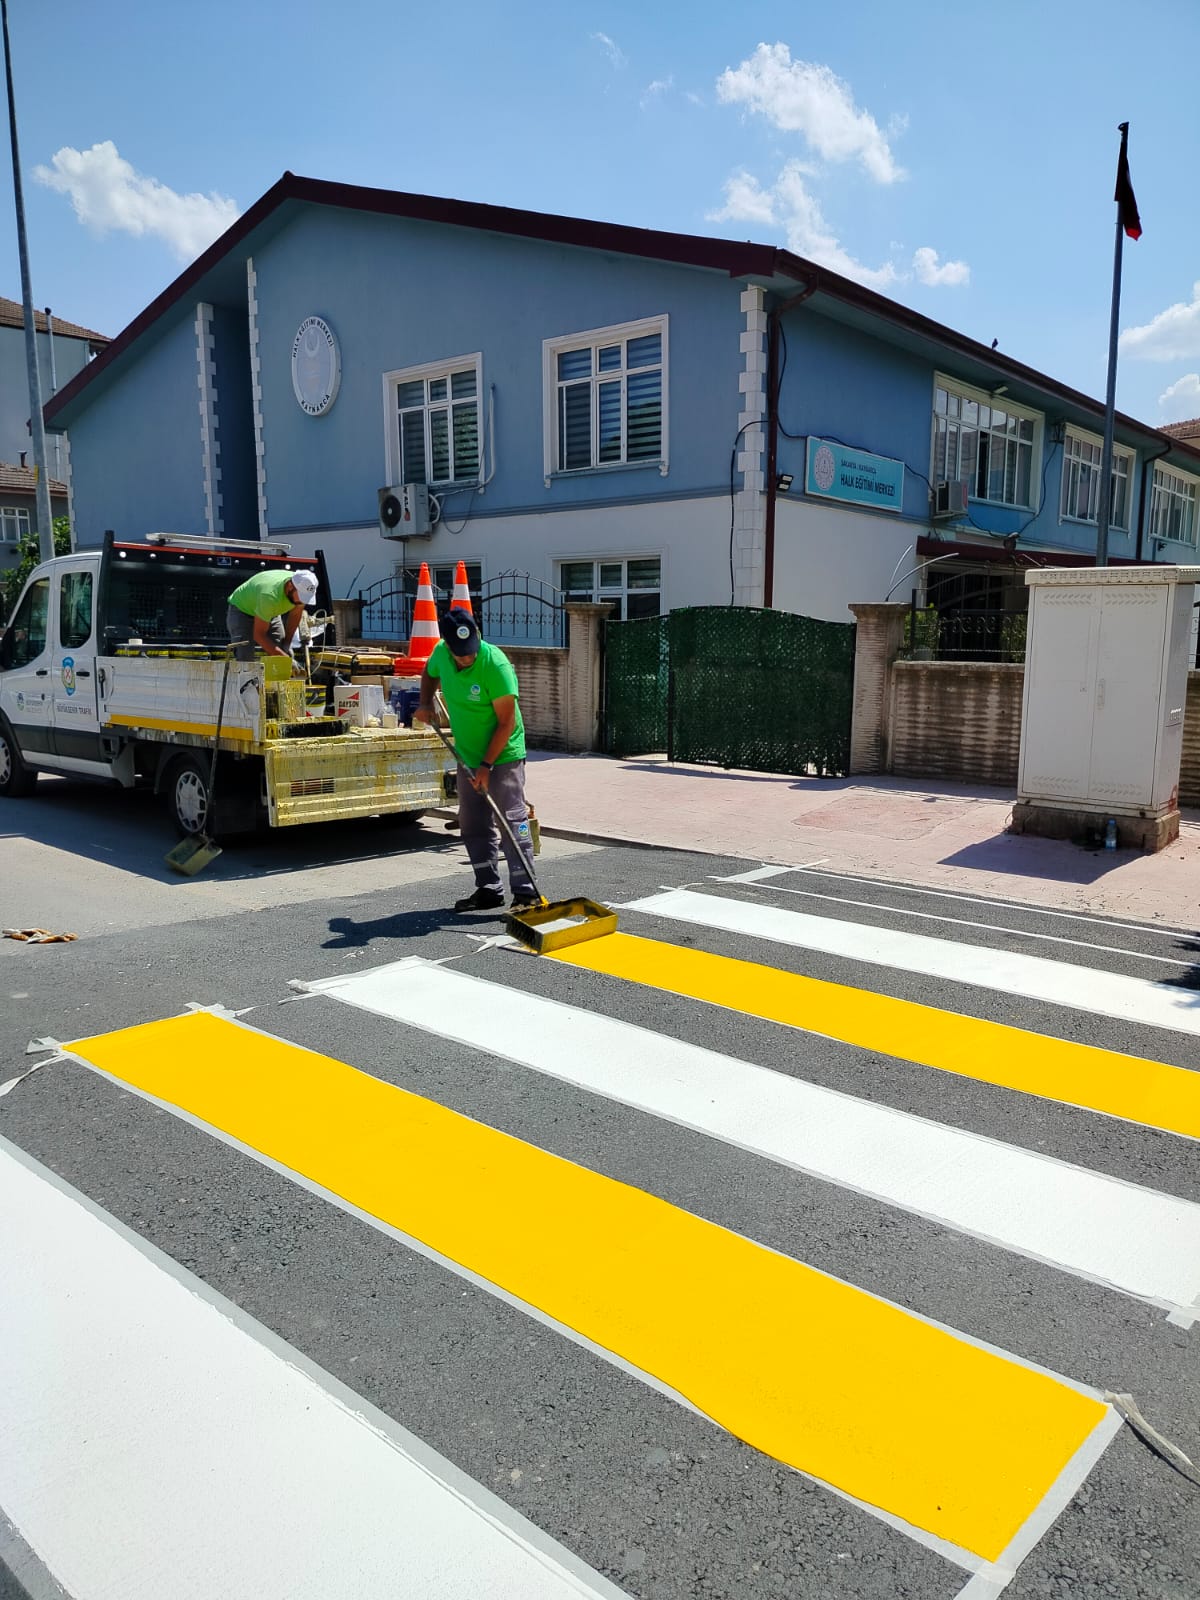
[643,1490]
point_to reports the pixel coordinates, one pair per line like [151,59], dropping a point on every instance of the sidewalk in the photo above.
[907,830]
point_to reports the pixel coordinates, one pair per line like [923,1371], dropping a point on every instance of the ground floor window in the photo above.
[632,586]
[14,524]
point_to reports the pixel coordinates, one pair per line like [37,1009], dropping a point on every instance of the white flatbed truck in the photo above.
[111,669]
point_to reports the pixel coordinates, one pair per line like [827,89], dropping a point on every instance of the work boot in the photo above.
[481,900]
[525,902]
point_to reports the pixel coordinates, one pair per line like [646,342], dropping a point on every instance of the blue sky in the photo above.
[959,159]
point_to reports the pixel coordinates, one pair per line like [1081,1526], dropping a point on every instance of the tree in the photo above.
[29,554]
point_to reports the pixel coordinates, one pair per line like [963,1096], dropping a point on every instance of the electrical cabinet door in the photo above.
[1125,728]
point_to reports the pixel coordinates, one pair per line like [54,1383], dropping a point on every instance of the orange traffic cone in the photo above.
[425,632]
[461,597]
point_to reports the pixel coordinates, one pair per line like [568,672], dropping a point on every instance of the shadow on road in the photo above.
[128,829]
[347,934]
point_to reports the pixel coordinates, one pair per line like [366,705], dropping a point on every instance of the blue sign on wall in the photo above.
[837,473]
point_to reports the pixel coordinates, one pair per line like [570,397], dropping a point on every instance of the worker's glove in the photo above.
[297,669]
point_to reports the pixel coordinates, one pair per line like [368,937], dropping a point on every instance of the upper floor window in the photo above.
[991,447]
[14,524]
[605,397]
[433,434]
[1081,481]
[1173,507]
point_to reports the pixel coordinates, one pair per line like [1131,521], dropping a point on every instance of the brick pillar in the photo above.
[583,674]
[877,643]
[347,616]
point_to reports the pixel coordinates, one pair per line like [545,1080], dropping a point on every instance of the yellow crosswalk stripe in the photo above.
[1137,1090]
[907,1416]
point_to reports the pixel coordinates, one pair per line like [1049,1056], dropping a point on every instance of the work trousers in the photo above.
[241,631]
[481,834]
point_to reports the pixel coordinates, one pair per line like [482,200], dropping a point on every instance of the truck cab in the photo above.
[49,706]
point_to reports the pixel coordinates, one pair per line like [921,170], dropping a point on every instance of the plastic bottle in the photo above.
[1110,834]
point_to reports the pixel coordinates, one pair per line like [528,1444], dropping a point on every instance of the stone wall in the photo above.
[1189,772]
[542,675]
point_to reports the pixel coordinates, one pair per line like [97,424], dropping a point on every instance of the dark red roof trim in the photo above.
[927,546]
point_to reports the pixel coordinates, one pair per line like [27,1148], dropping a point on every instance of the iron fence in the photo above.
[511,608]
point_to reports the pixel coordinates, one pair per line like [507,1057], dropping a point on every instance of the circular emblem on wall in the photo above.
[824,468]
[316,366]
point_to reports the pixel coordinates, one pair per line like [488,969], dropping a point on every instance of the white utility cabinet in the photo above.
[1106,665]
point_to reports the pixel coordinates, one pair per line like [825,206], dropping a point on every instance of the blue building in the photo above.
[653,419]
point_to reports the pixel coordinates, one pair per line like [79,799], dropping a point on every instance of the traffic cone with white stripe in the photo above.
[461,598]
[425,633]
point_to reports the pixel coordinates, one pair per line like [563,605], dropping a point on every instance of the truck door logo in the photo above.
[68,674]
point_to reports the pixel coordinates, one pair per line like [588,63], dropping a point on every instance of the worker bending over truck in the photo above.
[266,611]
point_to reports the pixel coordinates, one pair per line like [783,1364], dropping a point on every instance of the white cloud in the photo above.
[110,196]
[745,201]
[616,55]
[949,274]
[807,98]
[788,204]
[696,99]
[1172,335]
[657,87]
[1181,402]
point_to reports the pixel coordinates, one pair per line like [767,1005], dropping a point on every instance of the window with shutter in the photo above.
[436,437]
[605,392]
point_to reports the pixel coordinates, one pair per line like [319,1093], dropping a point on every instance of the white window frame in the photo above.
[593,338]
[997,402]
[23,524]
[599,595]
[393,457]
[1181,482]
[1129,457]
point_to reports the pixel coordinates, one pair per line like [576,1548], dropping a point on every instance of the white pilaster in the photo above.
[260,455]
[749,502]
[210,445]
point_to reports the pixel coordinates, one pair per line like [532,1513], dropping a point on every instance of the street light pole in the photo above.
[37,426]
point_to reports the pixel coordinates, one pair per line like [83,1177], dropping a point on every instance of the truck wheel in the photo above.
[186,790]
[16,779]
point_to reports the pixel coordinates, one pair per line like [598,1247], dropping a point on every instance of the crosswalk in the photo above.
[968,1449]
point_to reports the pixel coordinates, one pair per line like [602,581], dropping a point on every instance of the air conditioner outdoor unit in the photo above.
[950,498]
[404,512]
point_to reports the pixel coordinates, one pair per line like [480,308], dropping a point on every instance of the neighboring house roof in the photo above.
[24,480]
[12,315]
[779,269]
[1184,430]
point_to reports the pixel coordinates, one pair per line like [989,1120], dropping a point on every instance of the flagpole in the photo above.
[1110,395]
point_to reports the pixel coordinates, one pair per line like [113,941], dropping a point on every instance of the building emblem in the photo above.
[824,468]
[316,366]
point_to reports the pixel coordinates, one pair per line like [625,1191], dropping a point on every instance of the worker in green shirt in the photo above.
[479,686]
[266,610]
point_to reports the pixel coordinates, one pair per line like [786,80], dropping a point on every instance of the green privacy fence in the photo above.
[636,684]
[731,686]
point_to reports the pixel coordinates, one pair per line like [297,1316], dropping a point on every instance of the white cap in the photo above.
[305,585]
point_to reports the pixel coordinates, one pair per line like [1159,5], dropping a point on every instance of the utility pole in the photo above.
[37,427]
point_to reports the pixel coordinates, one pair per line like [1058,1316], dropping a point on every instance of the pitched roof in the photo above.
[12,315]
[788,273]
[1184,430]
[24,479]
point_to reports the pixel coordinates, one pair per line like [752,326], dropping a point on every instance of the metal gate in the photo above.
[731,686]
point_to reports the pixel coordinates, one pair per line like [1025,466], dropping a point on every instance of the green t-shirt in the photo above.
[469,694]
[262,595]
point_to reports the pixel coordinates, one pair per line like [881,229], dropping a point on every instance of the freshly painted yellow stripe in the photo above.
[1130,1087]
[956,1440]
[204,729]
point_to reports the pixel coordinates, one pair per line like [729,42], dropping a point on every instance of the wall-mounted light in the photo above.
[783,482]
[1001,388]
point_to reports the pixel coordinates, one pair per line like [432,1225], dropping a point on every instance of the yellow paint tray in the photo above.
[560,923]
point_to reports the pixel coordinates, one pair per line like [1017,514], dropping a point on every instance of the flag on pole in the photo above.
[1127,204]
